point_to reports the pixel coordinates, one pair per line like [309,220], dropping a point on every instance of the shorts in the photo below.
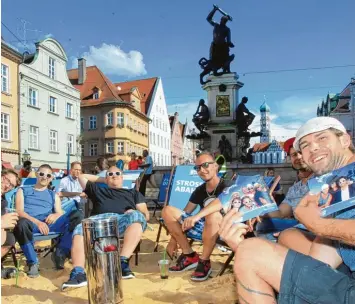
[124,221]
[346,252]
[10,239]
[306,280]
[196,231]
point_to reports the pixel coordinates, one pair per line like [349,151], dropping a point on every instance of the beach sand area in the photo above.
[146,288]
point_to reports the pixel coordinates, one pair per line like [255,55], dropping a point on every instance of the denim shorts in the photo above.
[196,231]
[306,280]
[346,252]
[124,221]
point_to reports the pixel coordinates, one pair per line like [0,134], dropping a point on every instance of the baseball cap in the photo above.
[317,124]
[288,144]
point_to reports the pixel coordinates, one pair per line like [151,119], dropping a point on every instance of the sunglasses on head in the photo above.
[41,174]
[118,173]
[203,165]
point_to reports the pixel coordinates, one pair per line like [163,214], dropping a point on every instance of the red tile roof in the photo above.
[145,87]
[94,79]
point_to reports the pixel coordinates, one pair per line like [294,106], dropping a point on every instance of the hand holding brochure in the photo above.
[335,190]
[250,196]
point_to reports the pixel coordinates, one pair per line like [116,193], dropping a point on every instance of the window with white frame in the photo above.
[153,138]
[96,94]
[158,140]
[82,123]
[5,78]
[93,149]
[69,110]
[34,138]
[109,147]
[52,104]
[150,136]
[92,122]
[5,126]
[120,119]
[53,141]
[110,118]
[120,147]
[70,143]
[33,97]
[51,67]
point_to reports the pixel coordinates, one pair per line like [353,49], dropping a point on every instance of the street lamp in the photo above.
[26,156]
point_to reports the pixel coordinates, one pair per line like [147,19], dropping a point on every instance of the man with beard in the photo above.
[298,278]
[205,222]
[280,219]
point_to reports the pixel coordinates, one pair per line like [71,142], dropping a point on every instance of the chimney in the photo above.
[81,70]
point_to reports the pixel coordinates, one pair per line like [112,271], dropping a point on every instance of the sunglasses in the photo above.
[41,174]
[118,173]
[203,165]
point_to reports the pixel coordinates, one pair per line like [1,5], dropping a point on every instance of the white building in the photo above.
[265,128]
[154,106]
[49,107]
[342,107]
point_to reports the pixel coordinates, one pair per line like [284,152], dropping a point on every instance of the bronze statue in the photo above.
[219,50]
[243,117]
[225,148]
[202,116]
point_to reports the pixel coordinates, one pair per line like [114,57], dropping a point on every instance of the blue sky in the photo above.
[135,39]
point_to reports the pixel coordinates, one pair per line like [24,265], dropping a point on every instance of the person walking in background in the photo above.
[148,174]
[26,170]
[101,166]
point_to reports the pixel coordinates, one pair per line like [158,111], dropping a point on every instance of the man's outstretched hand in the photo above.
[233,234]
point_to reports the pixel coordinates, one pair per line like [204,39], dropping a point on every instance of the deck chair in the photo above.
[179,200]
[67,206]
[160,200]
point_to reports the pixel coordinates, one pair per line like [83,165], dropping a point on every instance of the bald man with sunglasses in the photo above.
[204,225]
[128,205]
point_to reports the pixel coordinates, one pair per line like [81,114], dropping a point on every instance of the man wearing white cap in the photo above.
[298,278]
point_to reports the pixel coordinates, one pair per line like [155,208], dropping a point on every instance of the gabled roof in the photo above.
[94,79]
[145,87]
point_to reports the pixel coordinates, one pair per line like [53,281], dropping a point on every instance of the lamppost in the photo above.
[26,156]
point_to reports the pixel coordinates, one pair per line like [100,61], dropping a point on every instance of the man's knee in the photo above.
[23,225]
[170,214]
[246,253]
[213,218]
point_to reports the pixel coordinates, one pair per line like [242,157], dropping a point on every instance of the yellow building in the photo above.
[112,123]
[10,60]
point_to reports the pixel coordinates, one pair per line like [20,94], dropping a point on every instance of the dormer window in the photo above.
[96,94]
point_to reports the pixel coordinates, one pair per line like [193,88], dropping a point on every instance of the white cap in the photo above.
[325,186]
[317,124]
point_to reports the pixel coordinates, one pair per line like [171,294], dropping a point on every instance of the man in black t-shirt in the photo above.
[204,225]
[128,205]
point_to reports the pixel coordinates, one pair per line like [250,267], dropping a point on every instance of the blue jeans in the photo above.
[269,226]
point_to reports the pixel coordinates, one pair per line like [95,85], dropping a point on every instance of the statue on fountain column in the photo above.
[244,119]
[219,49]
[201,117]
[225,148]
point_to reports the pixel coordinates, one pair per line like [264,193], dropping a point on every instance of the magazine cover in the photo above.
[250,195]
[335,190]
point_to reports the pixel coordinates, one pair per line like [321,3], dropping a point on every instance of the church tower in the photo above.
[265,123]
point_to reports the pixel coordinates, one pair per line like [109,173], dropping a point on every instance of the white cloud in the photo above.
[111,59]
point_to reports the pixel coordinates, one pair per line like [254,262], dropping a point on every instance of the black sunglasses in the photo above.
[41,174]
[118,173]
[203,165]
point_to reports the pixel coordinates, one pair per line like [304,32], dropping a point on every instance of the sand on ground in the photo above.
[146,288]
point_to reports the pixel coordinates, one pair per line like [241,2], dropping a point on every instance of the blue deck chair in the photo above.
[163,191]
[68,206]
[186,176]
[183,181]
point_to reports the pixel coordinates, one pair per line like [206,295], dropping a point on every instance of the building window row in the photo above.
[5,79]
[5,126]
[33,142]
[159,140]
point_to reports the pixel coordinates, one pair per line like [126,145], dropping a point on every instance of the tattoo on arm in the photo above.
[254,291]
